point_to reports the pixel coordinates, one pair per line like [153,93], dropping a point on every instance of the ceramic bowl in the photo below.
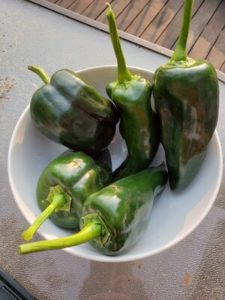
[174,215]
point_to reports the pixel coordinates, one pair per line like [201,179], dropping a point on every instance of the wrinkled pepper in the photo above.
[65,184]
[186,97]
[138,123]
[71,112]
[115,217]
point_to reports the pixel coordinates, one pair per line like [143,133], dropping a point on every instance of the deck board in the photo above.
[169,37]
[130,13]
[79,6]
[162,20]
[201,19]
[63,3]
[158,21]
[118,7]
[147,15]
[96,8]
[217,52]
[208,37]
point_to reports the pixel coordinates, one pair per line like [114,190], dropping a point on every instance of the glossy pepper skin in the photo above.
[65,184]
[71,112]
[186,96]
[125,208]
[115,217]
[138,124]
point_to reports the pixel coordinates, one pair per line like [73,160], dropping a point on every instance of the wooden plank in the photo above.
[162,20]
[118,6]
[223,67]
[65,3]
[80,5]
[217,54]
[147,15]
[211,32]
[96,8]
[200,20]
[131,12]
[170,35]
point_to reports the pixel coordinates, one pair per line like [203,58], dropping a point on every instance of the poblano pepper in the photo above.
[65,184]
[115,217]
[138,124]
[71,112]
[187,99]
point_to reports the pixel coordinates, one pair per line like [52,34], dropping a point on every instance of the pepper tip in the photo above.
[109,8]
[19,250]
[26,236]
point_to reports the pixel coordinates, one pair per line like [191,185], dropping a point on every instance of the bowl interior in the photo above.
[174,215]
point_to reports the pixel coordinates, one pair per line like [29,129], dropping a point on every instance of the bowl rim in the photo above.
[122,258]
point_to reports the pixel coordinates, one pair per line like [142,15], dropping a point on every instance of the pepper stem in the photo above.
[91,231]
[180,53]
[40,72]
[123,72]
[58,201]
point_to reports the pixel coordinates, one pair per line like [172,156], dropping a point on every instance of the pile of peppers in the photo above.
[78,190]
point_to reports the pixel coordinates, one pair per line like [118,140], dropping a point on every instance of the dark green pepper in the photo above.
[186,96]
[138,124]
[115,217]
[65,184]
[71,112]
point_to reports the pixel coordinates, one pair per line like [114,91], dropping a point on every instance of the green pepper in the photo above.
[65,184]
[71,112]
[186,97]
[115,217]
[138,124]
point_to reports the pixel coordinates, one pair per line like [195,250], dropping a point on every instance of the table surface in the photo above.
[194,269]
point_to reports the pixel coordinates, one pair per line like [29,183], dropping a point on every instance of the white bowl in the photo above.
[174,215]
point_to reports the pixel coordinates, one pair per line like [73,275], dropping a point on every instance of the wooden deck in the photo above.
[158,21]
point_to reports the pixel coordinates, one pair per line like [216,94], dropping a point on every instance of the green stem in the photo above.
[40,72]
[58,201]
[123,73]
[180,52]
[89,232]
